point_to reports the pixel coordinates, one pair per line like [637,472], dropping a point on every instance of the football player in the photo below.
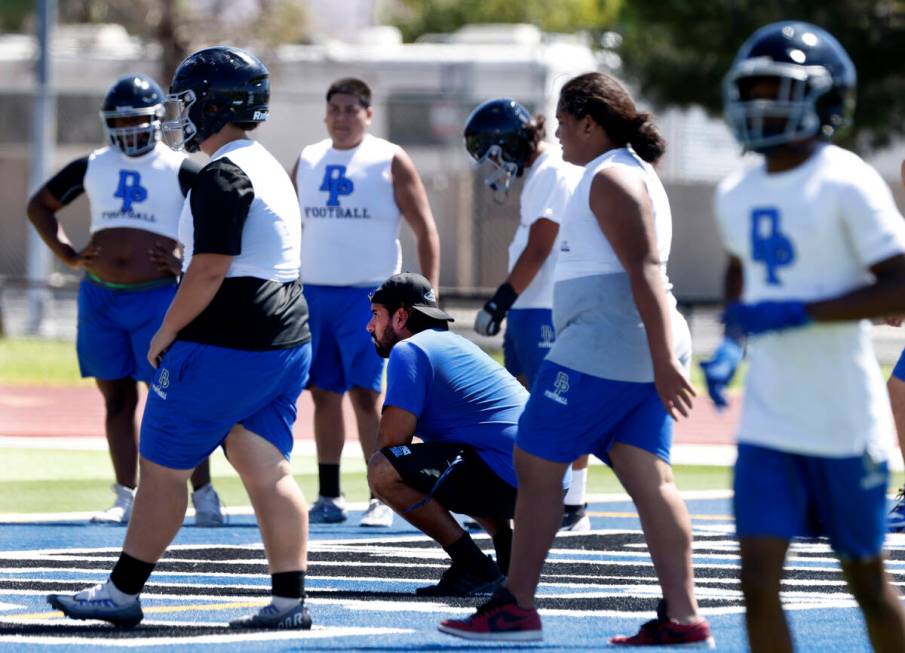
[353,188]
[233,351]
[616,376]
[507,142]
[816,247]
[136,187]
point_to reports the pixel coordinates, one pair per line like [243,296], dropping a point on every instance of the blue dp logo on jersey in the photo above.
[768,244]
[130,189]
[336,183]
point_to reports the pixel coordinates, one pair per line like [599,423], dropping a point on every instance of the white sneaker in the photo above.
[121,509]
[208,511]
[378,514]
[328,510]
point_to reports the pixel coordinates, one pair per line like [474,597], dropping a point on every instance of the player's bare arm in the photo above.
[42,208]
[411,198]
[397,426]
[884,297]
[541,238]
[623,212]
[202,279]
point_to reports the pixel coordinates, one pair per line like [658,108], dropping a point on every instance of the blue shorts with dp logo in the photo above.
[528,339]
[570,414]
[344,356]
[786,495]
[115,327]
[200,392]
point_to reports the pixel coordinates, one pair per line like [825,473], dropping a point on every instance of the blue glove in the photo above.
[720,369]
[744,319]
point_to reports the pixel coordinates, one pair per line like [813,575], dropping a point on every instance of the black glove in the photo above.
[490,318]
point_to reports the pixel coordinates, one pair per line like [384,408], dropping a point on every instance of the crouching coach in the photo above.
[464,407]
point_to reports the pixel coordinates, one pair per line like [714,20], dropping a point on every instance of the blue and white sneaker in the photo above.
[272,618]
[895,521]
[96,603]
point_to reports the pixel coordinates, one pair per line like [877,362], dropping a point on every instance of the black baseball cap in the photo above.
[410,290]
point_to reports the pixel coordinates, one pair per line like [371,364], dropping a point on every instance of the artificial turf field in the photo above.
[360,587]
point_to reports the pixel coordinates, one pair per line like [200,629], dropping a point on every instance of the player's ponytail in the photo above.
[647,141]
[610,105]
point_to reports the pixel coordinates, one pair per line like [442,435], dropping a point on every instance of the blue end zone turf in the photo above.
[361,586]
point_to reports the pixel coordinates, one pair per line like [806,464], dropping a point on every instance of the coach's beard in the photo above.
[385,345]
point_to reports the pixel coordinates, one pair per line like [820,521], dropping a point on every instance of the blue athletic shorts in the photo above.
[899,370]
[343,352]
[569,414]
[785,495]
[115,328]
[200,392]
[528,339]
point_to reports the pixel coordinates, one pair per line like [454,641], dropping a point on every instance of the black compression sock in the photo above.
[288,584]
[328,480]
[130,574]
[465,552]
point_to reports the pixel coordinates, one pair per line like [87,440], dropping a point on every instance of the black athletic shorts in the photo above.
[470,488]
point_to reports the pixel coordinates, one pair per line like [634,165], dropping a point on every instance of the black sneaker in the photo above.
[575,518]
[458,581]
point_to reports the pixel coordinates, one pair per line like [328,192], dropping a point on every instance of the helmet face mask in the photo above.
[496,171]
[177,127]
[131,114]
[790,82]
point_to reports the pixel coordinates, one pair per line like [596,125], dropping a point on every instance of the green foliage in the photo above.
[417,17]
[679,50]
[14,14]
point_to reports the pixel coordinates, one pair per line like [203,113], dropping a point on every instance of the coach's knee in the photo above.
[382,476]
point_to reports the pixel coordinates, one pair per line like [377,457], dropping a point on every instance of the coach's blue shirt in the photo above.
[459,394]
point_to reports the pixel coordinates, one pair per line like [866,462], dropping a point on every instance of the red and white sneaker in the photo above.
[500,619]
[664,631]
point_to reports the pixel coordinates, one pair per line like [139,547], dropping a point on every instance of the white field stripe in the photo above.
[232,637]
[10,606]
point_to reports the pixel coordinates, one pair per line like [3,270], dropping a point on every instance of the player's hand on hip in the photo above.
[165,259]
[720,368]
[159,345]
[486,323]
[674,388]
[763,317]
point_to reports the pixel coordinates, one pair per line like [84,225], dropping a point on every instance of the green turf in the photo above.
[35,360]
[53,480]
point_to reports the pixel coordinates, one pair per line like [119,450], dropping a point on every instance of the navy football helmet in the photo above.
[135,97]
[815,80]
[211,88]
[498,134]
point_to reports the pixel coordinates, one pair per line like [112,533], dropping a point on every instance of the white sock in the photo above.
[119,597]
[575,495]
[283,603]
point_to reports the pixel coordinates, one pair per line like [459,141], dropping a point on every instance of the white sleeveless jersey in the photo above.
[584,250]
[549,184]
[271,235]
[349,215]
[140,192]
[807,234]
[599,330]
